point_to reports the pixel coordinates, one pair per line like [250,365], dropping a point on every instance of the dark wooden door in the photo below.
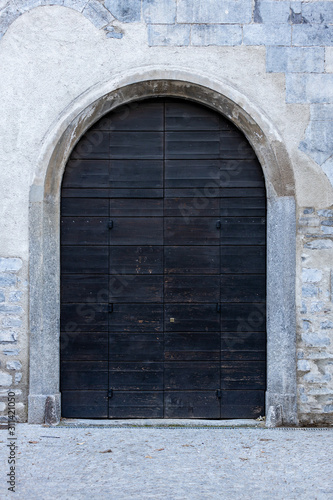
[163,268]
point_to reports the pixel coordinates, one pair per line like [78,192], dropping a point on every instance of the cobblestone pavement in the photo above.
[169,463]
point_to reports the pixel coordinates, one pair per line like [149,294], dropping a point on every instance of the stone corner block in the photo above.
[97,14]
[274,417]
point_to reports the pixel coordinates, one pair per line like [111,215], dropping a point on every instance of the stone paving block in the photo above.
[205,34]
[306,35]
[157,12]
[329,59]
[271,11]
[97,14]
[214,11]
[295,60]
[174,35]
[267,34]
[318,12]
[314,88]
[127,11]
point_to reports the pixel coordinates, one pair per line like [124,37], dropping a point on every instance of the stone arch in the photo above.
[281,228]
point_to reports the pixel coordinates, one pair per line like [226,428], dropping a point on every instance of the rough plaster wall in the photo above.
[277,53]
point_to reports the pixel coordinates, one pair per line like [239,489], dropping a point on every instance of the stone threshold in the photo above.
[161,423]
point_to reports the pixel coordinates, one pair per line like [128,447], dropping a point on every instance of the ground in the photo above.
[172,463]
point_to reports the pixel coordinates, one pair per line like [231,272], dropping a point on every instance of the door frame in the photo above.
[44,227]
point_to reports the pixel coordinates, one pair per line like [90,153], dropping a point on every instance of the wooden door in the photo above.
[163,268]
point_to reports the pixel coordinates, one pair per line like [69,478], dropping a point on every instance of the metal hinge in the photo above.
[218,394]
[218,224]
[110,393]
[110,224]
[110,308]
[218,307]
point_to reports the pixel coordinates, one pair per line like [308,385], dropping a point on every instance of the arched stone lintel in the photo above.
[45,215]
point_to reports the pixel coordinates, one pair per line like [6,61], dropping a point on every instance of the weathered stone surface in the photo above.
[274,417]
[306,35]
[295,59]
[18,378]
[157,12]
[97,14]
[267,34]
[7,336]
[13,365]
[325,213]
[329,59]
[304,88]
[9,322]
[326,325]
[309,291]
[318,12]
[311,275]
[15,296]
[11,309]
[163,34]
[315,340]
[2,297]
[320,126]
[5,379]
[205,34]
[9,264]
[11,352]
[270,11]
[2,406]
[7,280]
[128,11]
[78,5]
[214,11]
[303,365]
[112,32]
[51,414]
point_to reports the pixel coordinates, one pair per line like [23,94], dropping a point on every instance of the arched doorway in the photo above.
[163,267]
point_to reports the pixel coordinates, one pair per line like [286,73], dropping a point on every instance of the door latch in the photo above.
[110,224]
[110,308]
[218,224]
[110,393]
[218,394]
[218,307]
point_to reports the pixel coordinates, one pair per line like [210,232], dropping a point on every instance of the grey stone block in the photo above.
[5,379]
[17,377]
[10,264]
[7,336]
[322,112]
[270,11]
[318,12]
[314,88]
[327,167]
[214,11]
[319,244]
[11,352]
[309,291]
[327,230]
[157,12]
[78,5]
[126,11]
[8,16]
[13,365]
[97,14]
[325,213]
[306,35]
[11,309]
[205,34]
[9,322]
[51,411]
[15,296]
[314,145]
[112,32]
[326,325]
[315,340]
[311,275]
[274,417]
[295,60]
[267,34]
[7,280]
[164,35]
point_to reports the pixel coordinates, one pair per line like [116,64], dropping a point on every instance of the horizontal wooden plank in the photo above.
[241,173]
[84,317]
[141,404]
[136,260]
[185,116]
[142,347]
[85,259]
[136,318]
[84,288]
[186,404]
[84,375]
[243,207]
[182,288]
[234,145]
[242,404]
[243,288]
[137,231]
[243,341]
[192,318]
[139,115]
[241,230]
[84,230]
[141,288]
[192,231]
[193,144]
[86,174]
[192,346]
[94,144]
[192,260]
[136,145]
[84,404]
[243,259]
[81,346]
[193,375]
[86,193]
[243,355]
[194,173]
[136,376]
[88,207]
[137,207]
[244,374]
[198,206]
[136,173]
[136,193]
[243,318]
[213,190]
